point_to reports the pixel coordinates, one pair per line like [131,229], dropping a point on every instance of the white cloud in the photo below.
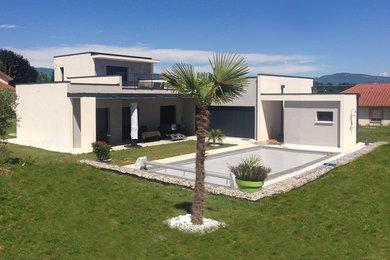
[7,26]
[385,74]
[258,62]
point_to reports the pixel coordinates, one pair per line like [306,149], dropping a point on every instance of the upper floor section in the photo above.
[104,68]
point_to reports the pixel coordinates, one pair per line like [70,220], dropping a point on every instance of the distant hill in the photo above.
[351,78]
[47,71]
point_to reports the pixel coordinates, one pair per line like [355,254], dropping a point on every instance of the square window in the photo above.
[325,116]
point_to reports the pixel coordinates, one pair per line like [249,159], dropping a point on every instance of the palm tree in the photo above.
[222,85]
[216,135]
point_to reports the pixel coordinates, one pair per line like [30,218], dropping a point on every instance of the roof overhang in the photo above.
[122,58]
[303,97]
[123,95]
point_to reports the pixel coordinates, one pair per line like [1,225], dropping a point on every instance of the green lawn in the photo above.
[374,134]
[58,208]
[11,130]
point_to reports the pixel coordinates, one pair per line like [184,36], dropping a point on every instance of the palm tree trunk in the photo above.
[202,121]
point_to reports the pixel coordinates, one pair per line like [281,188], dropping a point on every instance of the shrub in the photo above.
[5,153]
[102,150]
[216,134]
[7,109]
[250,169]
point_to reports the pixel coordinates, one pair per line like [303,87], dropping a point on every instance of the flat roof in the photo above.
[102,53]
[110,56]
[285,76]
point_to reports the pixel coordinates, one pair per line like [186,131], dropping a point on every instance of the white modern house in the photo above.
[92,94]
[283,108]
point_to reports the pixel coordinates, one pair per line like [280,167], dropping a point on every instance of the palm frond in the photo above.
[229,76]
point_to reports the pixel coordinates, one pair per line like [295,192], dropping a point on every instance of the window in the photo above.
[62,73]
[325,116]
[376,115]
[115,70]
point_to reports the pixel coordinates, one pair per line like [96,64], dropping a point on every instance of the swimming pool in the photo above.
[280,160]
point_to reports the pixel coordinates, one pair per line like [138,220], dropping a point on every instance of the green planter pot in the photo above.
[249,186]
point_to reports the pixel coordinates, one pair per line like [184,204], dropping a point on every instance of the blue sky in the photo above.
[308,38]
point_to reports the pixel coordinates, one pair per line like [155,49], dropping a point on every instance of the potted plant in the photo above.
[102,151]
[250,174]
[216,135]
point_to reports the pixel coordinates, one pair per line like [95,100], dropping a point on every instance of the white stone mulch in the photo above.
[270,190]
[183,223]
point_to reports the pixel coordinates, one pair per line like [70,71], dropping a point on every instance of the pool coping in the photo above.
[327,155]
[276,188]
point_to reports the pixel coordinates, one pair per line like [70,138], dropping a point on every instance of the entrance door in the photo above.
[167,115]
[102,124]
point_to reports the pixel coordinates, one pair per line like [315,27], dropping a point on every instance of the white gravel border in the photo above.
[270,190]
[183,223]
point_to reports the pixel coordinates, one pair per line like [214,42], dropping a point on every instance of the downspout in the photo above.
[357,117]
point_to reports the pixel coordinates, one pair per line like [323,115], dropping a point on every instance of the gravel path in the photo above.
[270,190]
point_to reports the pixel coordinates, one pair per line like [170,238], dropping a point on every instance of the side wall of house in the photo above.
[348,120]
[302,127]
[248,98]
[45,115]
[386,116]
[74,66]
[364,116]
[272,84]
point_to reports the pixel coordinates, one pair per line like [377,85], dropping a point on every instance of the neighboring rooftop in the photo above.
[111,56]
[372,95]
[5,77]
[5,85]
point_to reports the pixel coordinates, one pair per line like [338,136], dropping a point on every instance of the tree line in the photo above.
[19,68]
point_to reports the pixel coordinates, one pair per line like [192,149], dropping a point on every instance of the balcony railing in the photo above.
[142,81]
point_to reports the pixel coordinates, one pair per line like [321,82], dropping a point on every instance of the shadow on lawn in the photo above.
[187,206]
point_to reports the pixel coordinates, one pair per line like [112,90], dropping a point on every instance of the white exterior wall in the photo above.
[348,120]
[248,98]
[271,84]
[301,126]
[98,80]
[74,66]
[45,115]
[88,122]
[347,125]
[272,126]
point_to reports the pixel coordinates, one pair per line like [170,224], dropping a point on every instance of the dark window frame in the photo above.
[325,116]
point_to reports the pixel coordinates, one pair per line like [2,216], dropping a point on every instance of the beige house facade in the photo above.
[92,94]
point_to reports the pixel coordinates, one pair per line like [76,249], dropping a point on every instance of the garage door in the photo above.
[233,121]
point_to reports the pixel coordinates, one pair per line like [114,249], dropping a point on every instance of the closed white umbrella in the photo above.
[134,121]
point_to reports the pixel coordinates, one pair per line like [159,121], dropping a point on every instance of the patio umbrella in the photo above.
[134,121]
